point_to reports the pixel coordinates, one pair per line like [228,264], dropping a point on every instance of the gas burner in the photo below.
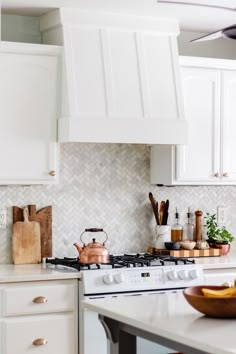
[148,259]
[123,261]
[68,262]
[72,263]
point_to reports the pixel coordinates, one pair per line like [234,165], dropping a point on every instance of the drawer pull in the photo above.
[40,300]
[52,173]
[40,341]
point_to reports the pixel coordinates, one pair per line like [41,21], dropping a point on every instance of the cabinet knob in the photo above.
[39,341]
[216,174]
[52,173]
[225,174]
[40,300]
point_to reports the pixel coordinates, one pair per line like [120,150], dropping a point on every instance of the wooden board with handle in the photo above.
[26,246]
[44,217]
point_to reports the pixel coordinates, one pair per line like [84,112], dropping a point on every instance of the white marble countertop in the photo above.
[171,317]
[228,261]
[10,273]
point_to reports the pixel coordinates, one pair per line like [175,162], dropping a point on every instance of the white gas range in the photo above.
[128,275]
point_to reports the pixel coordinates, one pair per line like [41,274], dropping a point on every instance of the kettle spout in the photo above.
[79,248]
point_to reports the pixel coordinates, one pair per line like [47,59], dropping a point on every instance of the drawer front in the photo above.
[39,297]
[47,335]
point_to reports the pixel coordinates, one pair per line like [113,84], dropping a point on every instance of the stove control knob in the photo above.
[119,278]
[183,274]
[172,275]
[194,273]
[108,279]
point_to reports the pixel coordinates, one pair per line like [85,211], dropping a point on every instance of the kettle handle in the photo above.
[94,230]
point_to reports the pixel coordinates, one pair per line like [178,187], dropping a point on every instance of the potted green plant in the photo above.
[218,237]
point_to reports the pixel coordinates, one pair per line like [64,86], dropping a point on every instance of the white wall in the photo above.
[20,29]
[219,48]
[26,29]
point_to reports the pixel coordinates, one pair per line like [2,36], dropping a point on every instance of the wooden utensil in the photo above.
[44,217]
[26,248]
[154,207]
[161,213]
[165,215]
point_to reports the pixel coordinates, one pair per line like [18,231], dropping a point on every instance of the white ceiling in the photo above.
[224,4]
[193,15]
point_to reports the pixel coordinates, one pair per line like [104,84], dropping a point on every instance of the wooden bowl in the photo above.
[219,307]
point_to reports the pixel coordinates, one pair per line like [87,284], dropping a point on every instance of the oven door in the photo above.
[90,326]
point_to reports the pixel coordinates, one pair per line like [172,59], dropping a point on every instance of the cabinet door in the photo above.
[228,109]
[28,104]
[198,161]
[46,334]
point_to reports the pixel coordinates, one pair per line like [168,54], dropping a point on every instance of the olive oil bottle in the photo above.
[188,230]
[176,229]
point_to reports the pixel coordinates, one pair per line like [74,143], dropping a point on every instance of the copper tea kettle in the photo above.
[94,252]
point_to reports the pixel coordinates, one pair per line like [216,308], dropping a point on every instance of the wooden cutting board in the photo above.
[211,252]
[26,246]
[44,217]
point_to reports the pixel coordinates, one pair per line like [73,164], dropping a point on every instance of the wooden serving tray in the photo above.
[211,252]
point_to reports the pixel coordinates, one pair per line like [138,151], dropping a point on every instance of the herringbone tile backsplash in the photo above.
[107,185]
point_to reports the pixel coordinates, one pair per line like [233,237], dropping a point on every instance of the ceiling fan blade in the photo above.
[229,32]
[209,36]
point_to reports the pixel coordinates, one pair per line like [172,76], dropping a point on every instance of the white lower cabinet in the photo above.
[39,316]
[49,334]
[209,102]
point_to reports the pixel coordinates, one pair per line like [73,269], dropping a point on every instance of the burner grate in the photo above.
[123,261]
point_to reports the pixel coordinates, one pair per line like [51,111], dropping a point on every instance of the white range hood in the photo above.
[121,77]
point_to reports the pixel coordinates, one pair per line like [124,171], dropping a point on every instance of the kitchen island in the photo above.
[166,319]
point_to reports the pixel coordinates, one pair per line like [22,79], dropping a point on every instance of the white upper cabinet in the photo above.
[199,160]
[228,128]
[121,77]
[209,87]
[29,87]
